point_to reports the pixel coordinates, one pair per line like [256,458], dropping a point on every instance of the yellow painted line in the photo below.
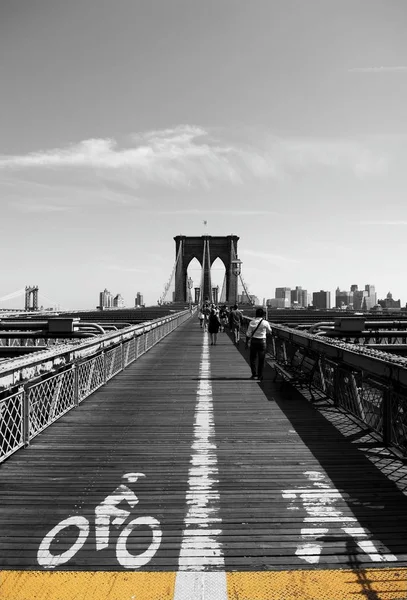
[86,585]
[380,584]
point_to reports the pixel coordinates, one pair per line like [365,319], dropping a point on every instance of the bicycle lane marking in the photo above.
[201,550]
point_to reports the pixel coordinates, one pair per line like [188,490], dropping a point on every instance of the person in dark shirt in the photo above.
[213,326]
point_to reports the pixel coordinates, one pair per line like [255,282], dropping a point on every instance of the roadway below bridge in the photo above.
[183,479]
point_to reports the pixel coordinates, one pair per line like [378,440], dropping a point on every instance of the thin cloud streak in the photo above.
[39,208]
[378,69]
[384,222]
[203,213]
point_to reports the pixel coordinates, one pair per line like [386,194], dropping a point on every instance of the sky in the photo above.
[126,123]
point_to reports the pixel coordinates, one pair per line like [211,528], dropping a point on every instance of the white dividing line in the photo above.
[201,549]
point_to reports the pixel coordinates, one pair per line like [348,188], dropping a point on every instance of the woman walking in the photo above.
[213,326]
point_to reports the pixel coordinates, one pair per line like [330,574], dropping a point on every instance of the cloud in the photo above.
[272,258]
[188,156]
[35,207]
[377,69]
[204,212]
[383,222]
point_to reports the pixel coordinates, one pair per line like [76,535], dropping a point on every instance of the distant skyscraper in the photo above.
[299,297]
[321,299]
[371,298]
[285,294]
[105,299]
[343,298]
[139,299]
[118,301]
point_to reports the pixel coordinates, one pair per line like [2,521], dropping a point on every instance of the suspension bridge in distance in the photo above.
[139,462]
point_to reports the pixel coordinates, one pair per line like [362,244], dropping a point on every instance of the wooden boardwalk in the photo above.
[183,475]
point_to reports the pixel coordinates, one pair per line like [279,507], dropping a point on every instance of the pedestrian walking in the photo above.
[206,312]
[213,326]
[201,318]
[235,320]
[223,317]
[256,333]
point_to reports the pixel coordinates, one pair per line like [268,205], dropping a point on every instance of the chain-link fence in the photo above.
[49,388]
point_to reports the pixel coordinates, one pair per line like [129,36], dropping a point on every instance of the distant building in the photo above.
[371,296]
[118,301]
[389,303]
[247,299]
[283,293]
[364,299]
[277,303]
[343,298]
[139,300]
[321,299]
[299,297]
[105,299]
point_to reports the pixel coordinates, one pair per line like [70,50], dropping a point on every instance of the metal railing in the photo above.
[37,390]
[369,384]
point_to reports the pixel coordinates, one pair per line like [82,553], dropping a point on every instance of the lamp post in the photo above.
[236,270]
[190,284]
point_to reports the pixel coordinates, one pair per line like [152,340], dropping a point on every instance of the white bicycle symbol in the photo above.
[106,512]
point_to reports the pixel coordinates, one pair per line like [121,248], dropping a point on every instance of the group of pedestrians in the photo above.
[214,319]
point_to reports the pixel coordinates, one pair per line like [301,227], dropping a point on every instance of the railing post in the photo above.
[335,385]
[75,385]
[122,354]
[26,416]
[104,366]
[387,417]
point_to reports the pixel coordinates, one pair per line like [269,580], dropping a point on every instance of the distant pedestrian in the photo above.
[201,318]
[223,317]
[235,320]
[213,326]
[256,332]
[206,312]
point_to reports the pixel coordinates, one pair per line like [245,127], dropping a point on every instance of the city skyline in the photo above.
[281,122]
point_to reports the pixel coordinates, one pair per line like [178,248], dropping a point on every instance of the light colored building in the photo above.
[371,296]
[105,299]
[278,303]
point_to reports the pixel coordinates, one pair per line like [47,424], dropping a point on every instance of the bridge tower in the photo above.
[206,249]
[31,291]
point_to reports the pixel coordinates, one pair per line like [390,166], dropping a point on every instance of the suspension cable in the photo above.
[12,295]
[168,285]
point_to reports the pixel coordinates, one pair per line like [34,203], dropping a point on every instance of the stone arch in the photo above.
[187,248]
